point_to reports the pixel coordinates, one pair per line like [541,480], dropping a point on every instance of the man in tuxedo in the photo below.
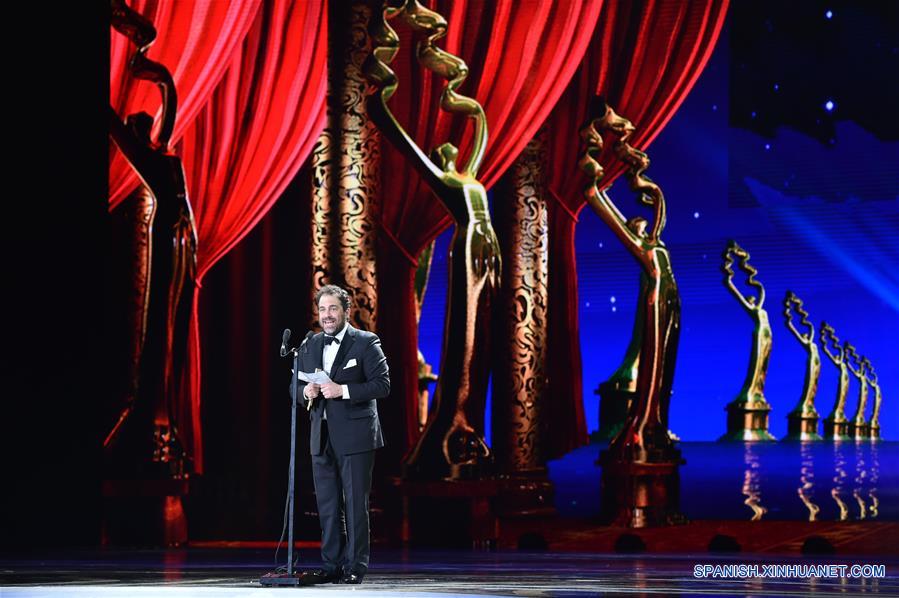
[345,433]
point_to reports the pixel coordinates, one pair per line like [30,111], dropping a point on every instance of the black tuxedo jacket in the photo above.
[353,423]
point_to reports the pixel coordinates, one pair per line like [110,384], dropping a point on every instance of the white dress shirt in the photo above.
[328,355]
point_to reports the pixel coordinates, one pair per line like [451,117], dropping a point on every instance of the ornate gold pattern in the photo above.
[345,171]
[519,377]
[452,443]
[321,221]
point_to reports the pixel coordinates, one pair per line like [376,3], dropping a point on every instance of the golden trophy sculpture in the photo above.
[836,426]
[148,428]
[452,443]
[874,424]
[858,427]
[640,467]
[802,421]
[747,415]
[173,253]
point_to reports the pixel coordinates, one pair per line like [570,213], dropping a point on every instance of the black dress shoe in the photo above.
[351,578]
[318,576]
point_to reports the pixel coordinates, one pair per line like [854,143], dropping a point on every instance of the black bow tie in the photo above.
[331,339]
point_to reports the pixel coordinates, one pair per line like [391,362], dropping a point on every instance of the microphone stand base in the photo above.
[280,579]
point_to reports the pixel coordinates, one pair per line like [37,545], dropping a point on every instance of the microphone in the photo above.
[284,338]
[309,335]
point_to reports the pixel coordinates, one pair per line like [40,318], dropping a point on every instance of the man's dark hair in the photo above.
[334,291]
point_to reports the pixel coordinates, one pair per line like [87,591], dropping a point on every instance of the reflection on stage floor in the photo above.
[191,573]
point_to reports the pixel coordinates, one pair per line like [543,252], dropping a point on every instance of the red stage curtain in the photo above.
[644,58]
[194,41]
[521,55]
[246,145]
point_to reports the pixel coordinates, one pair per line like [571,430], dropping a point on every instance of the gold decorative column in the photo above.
[346,164]
[802,421]
[836,426]
[747,415]
[519,361]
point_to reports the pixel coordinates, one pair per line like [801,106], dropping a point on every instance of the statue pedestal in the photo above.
[747,422]
[802,427]
[859,431]
[144,512]
[836,430]
[640,494]
[525,494]
[449,513]
[614,404]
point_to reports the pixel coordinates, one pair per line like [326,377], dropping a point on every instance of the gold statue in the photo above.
[836,426]
[858,427]
[747,415]
[173,247]
[878,398]
[452,443]
[803,419]
[644,436]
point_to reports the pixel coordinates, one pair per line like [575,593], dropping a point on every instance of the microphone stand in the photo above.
[290,578]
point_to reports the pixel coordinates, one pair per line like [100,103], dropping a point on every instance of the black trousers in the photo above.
[342,490]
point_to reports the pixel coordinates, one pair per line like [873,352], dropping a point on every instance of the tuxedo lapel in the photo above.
[318,346]
[348,339]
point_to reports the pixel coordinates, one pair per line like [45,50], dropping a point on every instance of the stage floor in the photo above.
[235,572]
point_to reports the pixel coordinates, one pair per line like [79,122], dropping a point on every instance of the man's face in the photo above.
[331,314]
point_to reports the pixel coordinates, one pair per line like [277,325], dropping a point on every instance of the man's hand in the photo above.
[310,391]
[332,390]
